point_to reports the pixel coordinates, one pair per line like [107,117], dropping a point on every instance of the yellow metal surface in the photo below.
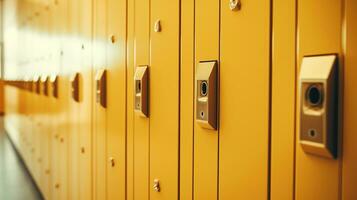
[130,102]
[205,163]
[244,101]
[141,133]
[316,177]
[72,65]
[116,90]
[187,69]
[85,106]
[283,99]
[164,99]
[99,112]
[349,164]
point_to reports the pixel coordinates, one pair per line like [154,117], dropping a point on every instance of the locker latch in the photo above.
[45,84]
[54,84]
[76,81]
[206,94]
[319,104]
[101,87]
[141,90]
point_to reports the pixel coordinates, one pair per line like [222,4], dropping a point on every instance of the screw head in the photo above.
[113,39]
[82,150]
[234,4]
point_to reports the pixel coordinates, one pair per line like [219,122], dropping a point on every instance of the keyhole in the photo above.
[204,87]
[202,114]
[312,132]
[314,95]
[139,86]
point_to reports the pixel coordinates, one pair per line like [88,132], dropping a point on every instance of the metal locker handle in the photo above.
[75,82]
[206,94]
[318,86]
[101,87]
[141,93]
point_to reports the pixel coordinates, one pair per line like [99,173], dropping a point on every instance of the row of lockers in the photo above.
[77,110]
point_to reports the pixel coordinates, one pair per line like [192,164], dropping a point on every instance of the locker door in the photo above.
[317,177]
[116,115]
[72,54]
[63,105]
[55,126]
[141,124]
[164,98]
[205,164]
[283,99]
[244,103]
[130,101]
[100,113]
[85,107]
[62,184]
[349,174]
[187,69]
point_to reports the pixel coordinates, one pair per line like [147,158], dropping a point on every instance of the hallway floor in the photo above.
[15,182]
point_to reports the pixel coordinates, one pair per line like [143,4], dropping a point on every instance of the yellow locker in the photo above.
[116,91]
[317,34]
[85,106]
[244,100]
[349,175]
[57,126]
[283,99]
[141,133]
[46,138]
[73,69]
[130,102]
[62,114]
[187,68]
[164,98]
[99,111]
[205,173]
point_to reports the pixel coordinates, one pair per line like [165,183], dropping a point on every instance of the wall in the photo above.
[71,110]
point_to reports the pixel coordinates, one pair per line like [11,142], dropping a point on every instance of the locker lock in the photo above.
[76,80]
[318,84]
[54,84]
[101,87]
[45,84]
[141,95]
[206,94]
[37,85]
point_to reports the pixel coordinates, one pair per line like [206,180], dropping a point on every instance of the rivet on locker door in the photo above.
[235,5]
[157,26]
[156,185]
[112,161]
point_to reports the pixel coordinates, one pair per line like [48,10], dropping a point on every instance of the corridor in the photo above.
[15,182]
